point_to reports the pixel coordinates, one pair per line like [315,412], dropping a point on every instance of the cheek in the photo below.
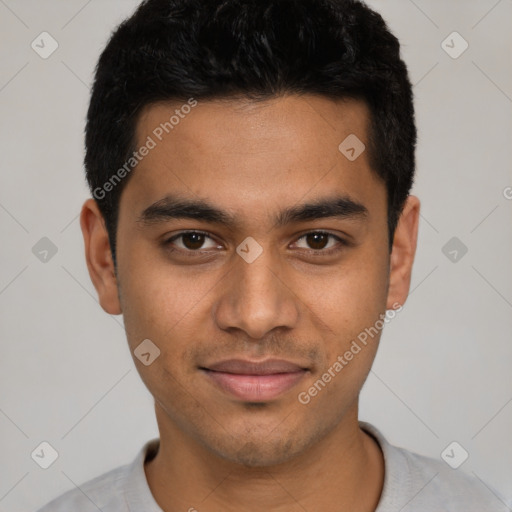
[161,306]
[351,310]
[160,301]
[154,306]
[353,295]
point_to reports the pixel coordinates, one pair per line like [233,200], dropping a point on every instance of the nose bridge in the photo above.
[255,299]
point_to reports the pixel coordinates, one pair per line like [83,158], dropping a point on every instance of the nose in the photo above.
[257,298]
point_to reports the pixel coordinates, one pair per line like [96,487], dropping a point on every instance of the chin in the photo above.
[264,448]
[262,454]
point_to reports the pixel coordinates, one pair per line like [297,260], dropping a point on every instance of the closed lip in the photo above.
[248,367]
[255,381]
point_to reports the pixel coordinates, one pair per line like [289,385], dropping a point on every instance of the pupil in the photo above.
[197,240]
[315,240]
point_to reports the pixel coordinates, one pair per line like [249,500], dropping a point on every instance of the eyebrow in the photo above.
[174,207]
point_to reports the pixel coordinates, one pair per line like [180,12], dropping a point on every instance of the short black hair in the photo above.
[257,49]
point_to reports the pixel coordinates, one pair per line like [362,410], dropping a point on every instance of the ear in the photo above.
[99,257]
[402,254]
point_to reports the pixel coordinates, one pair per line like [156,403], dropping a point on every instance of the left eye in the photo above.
[319,240]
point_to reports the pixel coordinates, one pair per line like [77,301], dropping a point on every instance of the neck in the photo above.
[343,471]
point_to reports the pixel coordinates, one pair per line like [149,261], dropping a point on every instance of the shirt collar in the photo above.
[138,494]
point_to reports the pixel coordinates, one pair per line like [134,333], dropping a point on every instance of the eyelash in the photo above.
[198,253]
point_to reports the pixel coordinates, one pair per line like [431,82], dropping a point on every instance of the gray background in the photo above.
[442,373]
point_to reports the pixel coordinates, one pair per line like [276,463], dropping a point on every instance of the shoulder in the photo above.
[122,489]
[451,490]
[104,492]
[414,482]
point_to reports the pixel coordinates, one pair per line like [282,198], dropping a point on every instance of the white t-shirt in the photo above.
[412,483]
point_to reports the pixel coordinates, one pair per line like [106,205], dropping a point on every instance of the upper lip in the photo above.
[246,367]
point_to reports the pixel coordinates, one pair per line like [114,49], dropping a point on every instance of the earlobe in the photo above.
[402,254]
[99,257]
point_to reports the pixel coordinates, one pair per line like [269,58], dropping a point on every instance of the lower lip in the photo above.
[256,388]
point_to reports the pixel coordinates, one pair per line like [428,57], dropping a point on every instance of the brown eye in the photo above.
[193,241]
[317,241]
[190,241]
[321,241]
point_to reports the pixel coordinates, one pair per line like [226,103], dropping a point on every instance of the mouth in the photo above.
[255,381]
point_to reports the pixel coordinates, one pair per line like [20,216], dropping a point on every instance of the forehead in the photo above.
[244,154]
[304,122]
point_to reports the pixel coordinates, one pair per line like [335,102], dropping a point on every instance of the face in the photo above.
[252,252]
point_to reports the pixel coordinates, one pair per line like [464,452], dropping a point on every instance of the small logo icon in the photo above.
[454,45]
[351,147]
[44,45]
[44,250]
[249,249]
[454,455]
[146,352]
[44,455]
[454,249]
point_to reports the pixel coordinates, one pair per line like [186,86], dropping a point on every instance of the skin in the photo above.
[217,452]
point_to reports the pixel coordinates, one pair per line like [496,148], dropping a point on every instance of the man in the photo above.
[250,164]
